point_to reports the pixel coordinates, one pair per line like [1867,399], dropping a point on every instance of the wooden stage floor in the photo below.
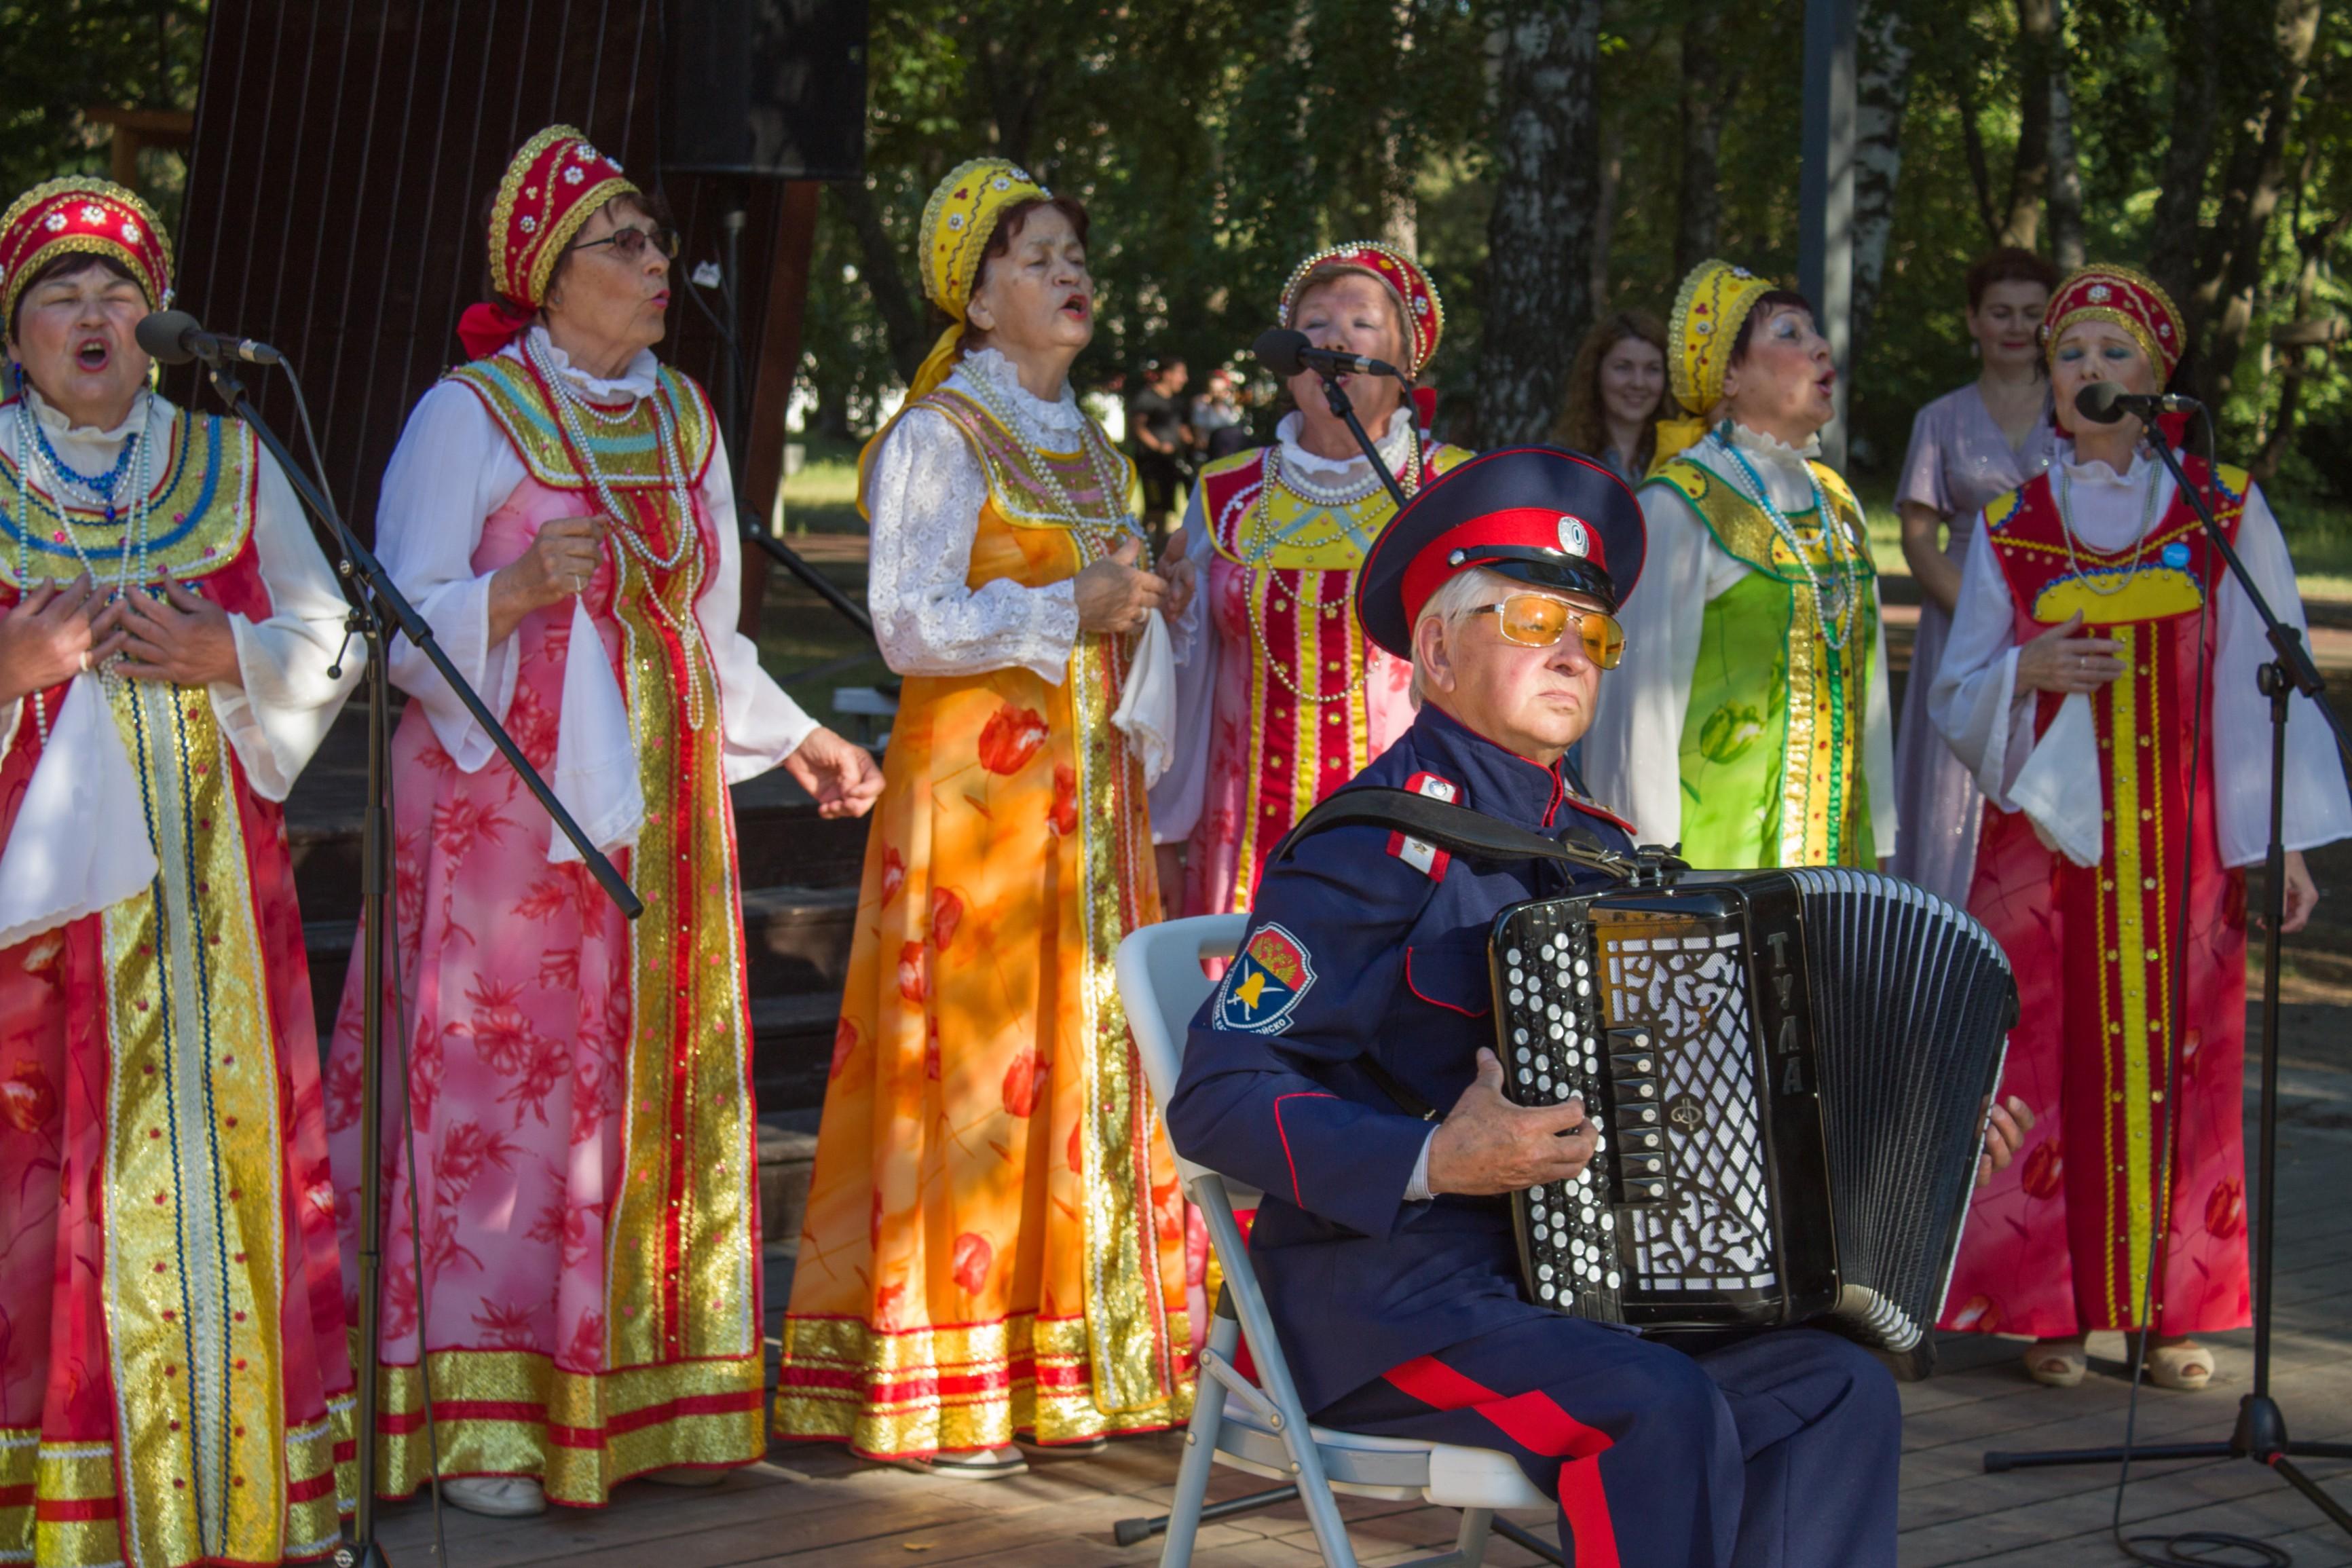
[815,1507]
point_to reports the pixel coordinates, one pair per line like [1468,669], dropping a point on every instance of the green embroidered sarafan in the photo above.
[1771,747]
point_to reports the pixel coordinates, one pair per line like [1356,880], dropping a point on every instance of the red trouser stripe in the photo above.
[1536,1423]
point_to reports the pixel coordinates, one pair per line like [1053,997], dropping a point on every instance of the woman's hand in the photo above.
[183,638]
[2302,894]
[1114,594]
[50,635]
[561,558]
[2006,1125]
[2058,661]
[1933,570]
[841,775]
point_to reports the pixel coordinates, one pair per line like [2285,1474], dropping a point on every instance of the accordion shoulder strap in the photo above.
[1456,829]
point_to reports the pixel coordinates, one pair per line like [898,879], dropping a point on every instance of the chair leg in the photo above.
[1200,1450]
[1470,1541]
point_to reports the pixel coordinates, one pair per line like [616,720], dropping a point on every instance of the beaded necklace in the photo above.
[1101,532]
[1834,541]
[1259,549]
[35,456]
[99,490]
[2060,489]
[685,629]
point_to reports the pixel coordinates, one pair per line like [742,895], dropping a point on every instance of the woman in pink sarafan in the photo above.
[560,510]
[2099,682]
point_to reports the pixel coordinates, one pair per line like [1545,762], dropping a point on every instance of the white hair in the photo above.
[1457,600]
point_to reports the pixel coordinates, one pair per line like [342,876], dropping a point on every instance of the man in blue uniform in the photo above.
[1384,1244]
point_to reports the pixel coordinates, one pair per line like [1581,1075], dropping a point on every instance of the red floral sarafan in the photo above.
[2045,1170]
[1010,737]
[2225,1208]
[27,1101]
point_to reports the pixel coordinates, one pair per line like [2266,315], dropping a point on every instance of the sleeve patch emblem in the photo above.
[1265,983]
[1421,855]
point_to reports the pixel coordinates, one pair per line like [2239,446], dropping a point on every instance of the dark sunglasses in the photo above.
[629,243]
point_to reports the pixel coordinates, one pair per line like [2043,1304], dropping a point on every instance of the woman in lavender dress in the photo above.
[1967,448]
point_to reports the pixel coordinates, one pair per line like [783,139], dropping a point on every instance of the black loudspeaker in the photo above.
[766,86]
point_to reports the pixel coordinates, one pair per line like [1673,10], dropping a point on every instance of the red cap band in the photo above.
[1527,528]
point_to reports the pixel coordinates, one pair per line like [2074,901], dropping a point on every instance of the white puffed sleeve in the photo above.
[1176,797]
[1633,754]
[1975,701]
[452,468]
[287,700]
[1878,746]
[764,726]
[927,490]
[2317,809]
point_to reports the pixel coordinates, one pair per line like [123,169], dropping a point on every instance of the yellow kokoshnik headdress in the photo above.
[1709,309]
[959,221]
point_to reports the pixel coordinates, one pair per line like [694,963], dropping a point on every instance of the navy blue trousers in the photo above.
[1777,1451]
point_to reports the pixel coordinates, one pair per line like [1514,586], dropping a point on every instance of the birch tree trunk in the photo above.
[2066,202]
[2028,176]
[1881,91]
[1540,232]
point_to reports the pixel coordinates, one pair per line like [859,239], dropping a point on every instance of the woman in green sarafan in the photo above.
[1749,721]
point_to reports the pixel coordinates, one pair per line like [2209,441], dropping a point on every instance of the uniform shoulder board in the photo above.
[1416,853]
[1595,809]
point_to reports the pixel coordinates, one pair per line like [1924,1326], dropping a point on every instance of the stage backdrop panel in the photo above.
[345,155]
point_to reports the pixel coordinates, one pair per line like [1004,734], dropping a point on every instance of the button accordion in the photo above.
[1790,1073]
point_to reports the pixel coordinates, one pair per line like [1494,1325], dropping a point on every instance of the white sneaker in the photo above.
[498,1497]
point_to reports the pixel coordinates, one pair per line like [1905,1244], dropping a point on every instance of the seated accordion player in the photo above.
[1790,1071]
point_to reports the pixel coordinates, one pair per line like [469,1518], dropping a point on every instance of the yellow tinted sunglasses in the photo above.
[1538,620]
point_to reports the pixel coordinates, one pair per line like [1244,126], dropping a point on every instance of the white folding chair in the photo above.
[1255,1425]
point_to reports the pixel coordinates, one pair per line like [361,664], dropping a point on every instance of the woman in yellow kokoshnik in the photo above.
[995,1241]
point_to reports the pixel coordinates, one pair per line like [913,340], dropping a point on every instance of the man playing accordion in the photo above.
[1385,1245]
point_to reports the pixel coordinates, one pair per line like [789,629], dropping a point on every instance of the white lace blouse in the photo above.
[927,490]
[1632,755]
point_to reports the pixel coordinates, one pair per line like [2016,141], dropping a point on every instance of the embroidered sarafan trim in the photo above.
[202,509]
[626,451]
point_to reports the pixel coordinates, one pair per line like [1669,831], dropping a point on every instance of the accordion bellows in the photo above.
[1789,1071]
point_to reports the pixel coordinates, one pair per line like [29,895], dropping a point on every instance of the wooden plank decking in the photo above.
[814,1507]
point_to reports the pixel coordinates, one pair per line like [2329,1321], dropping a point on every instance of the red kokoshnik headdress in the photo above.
[2134,302]
[86,217]
[552,186]
[1418,306]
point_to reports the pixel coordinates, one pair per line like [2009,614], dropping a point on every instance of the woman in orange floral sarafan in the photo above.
[996,1242]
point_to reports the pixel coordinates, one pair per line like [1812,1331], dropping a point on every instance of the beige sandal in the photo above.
[2187,1366]
[2061,1363]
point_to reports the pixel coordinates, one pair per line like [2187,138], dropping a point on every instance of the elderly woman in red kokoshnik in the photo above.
[174,1382]
[560,508]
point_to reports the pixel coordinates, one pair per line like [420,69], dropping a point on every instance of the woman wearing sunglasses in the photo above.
[1750,721]
[560,509]
[1279,698]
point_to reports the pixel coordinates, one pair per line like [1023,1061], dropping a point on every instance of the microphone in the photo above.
[1286,353]
[174,337]
[2104,403]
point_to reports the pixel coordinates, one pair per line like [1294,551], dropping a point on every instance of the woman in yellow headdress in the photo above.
[1749,720]
[995,1241]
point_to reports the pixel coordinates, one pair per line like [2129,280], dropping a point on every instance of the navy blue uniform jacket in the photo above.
[1366,944]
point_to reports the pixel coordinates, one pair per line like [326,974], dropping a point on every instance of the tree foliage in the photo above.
[61,58]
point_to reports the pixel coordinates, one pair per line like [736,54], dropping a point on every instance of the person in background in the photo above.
[1983,440]
[2100,680]
[996,1241]
[1616,390]
[1749,723]
[1220,423]
[1160,440]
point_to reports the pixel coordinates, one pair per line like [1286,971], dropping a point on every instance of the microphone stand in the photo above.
[1337,395]
[380,609]
[2261,1431]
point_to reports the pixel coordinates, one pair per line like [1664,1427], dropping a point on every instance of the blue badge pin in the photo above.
[2175,555]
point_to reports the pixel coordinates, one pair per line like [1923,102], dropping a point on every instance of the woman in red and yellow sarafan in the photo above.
[995,1239]
[1280,698]
[2101,673]
[175,1385]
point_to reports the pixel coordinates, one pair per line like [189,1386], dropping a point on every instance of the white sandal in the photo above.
[973,1463]
[2061,1363]
[495,1496]
[2186,1367]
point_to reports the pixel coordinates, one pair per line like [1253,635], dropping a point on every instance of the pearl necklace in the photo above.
[1100,532]
[2059,491]
[33,454]
[1832,540]
[685,629]
[1261,548]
